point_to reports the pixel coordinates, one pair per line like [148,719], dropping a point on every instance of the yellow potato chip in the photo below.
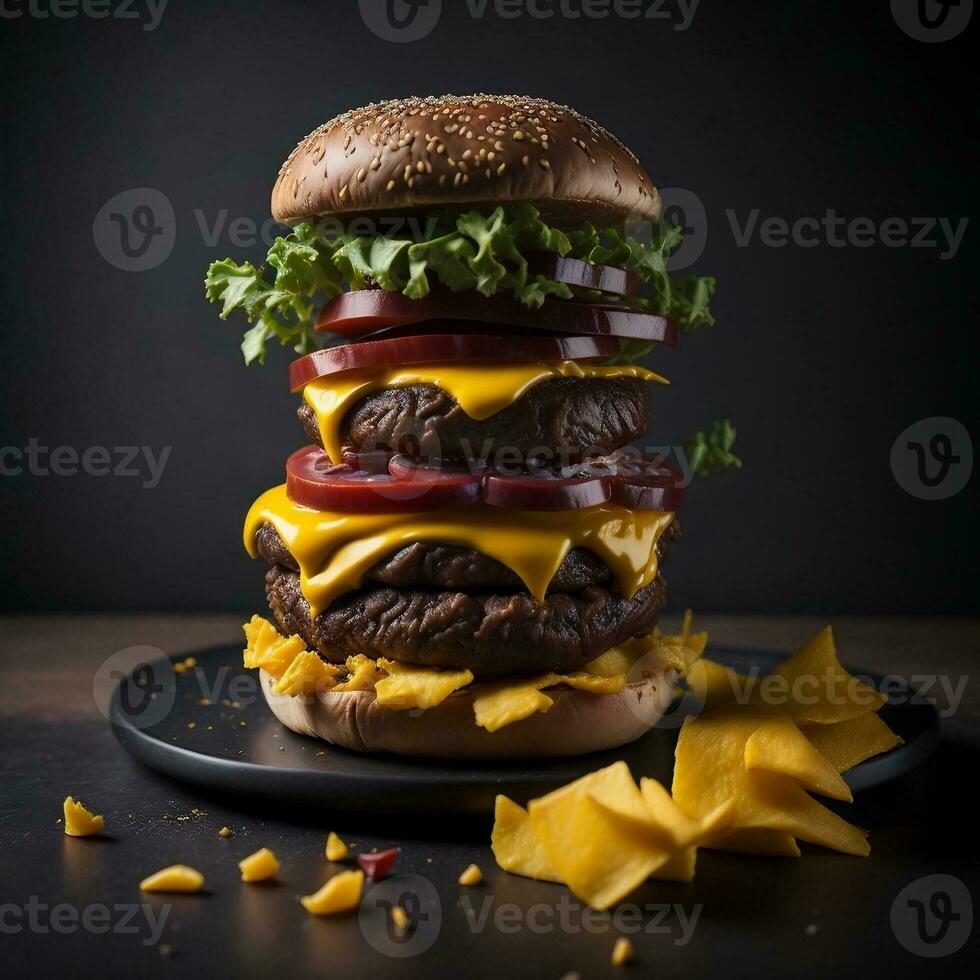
[779,746]
[307,675]
[714,684]
[849,742]
[817,688]
[411,686]
[710,769]
[616,660]
[267,648]
[601,854]
[685,832]
[364,674]
[516,846]
[503,704]
[592,683]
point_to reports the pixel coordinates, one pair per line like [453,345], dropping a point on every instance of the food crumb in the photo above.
[205,702]
[167,949]
[336,849]
[811,930]
[225,832]
[471,876]
[622,952]
[400,919]
[192,724]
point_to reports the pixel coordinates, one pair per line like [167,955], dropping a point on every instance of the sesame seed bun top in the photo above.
[406,155]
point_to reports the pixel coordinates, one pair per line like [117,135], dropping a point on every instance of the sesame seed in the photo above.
[525,159]
[501,169]
[457,179]
[390,186]
[544,163]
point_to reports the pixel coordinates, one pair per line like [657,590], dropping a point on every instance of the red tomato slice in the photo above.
[444,348]
[369,311]
[575,272]
[312,480]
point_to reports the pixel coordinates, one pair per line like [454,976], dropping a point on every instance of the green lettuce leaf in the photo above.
[711,452]
[467,250]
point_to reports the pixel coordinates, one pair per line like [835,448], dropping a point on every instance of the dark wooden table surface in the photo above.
[72,906]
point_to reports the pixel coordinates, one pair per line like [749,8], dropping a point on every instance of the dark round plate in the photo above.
[209,725]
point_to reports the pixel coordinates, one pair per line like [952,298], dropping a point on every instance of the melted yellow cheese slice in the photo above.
[481,389]
[335,550]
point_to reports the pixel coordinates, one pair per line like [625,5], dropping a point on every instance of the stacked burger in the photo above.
[466,560]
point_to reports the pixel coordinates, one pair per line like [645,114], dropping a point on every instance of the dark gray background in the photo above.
[822,356]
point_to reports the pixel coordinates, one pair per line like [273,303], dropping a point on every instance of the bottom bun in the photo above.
[578,722]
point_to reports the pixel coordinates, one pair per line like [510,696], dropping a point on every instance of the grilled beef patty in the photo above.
[567,416]
[490,634]
[445,606]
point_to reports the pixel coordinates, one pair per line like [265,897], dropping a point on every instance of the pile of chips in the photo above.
[744,772]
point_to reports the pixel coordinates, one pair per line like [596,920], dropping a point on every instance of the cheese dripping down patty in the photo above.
[481,390]
[334,550]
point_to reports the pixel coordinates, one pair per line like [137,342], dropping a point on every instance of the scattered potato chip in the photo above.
[471,876]
[820,690]
[847,743]
[336,849]
[515,845]
[710,769]
[622,952]
[341,893]
[80,822]
[777,745]
[714,684]
[685,832]
[267,648]
[176,878]
[503,704]
[259,866]
[364,674]
[411,686]
[307,675]
[602,838]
